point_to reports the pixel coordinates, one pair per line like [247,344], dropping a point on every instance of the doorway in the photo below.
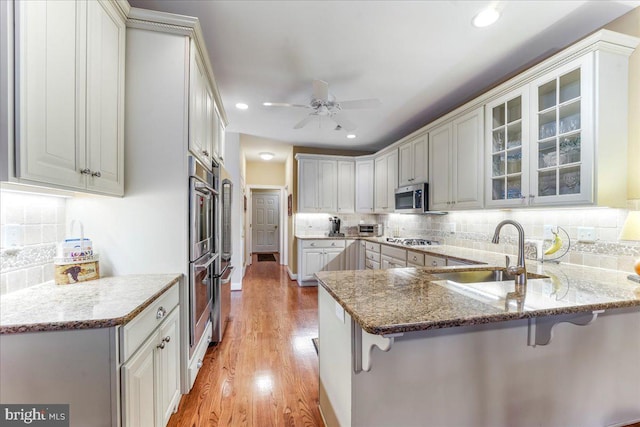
[265,214]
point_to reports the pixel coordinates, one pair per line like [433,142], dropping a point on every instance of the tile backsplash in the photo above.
[30,227]
[311,224]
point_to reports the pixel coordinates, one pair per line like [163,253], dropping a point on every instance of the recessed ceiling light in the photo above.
[266,155]
[486,17]
[351,135]
[241,106]
[267,104]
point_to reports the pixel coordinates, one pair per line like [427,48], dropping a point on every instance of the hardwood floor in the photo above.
[265,371]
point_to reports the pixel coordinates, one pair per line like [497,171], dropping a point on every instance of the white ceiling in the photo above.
[420,58]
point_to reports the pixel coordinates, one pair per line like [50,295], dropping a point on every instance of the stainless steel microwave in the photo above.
[412,198]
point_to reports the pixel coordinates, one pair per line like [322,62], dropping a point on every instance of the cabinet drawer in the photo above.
[451,261]
[324,243]
[372,265]
[373,256]
[134,333]
[434,261]
[374,247]
[415,258]
[393,252]
[390,262]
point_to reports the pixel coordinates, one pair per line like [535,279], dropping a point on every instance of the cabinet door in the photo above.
[468,165]
[405,164]
[350,258]
[333,259]
[392,180]
[197,104]
[169,367]
[327,185]
[219,140]
[50,100]
[434,261]
[312,262]
[346,186]
[440,140]
[381,198]
[209,125]
[562,135]
[420,159]
[507,150]
[138,379]
[364,186]
[307,185]
[105,98]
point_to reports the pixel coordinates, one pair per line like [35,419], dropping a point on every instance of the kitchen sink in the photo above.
[480,276]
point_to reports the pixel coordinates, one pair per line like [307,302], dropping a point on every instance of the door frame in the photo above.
[282,221]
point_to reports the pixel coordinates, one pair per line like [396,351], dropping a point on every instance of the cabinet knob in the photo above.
[415,258]
[205,152]
[166,339]
[333,244]
[161,313]
[532,196]
[96,174]
[434,263]
[312,244]
[161,345]
[85,171]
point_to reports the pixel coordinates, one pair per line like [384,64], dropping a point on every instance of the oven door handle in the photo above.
[204,188]
[205,265]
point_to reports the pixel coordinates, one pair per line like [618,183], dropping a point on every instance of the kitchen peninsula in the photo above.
[408,347]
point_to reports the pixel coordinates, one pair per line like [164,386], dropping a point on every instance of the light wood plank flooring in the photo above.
[265,371]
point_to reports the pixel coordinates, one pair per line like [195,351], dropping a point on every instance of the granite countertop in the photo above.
[98,303]
[412,299]
[324,236]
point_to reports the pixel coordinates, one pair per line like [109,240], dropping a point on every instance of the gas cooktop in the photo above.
[411,241]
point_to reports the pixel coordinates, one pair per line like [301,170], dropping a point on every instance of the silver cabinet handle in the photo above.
[434,263]
[161,313]
[96,174]
[166,339]
[333,244]
[312,244]
[415,258]
[532,196]
[205,152]
[161,345]
[85,171]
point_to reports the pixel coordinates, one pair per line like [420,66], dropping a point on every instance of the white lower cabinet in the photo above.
[319,255]
[150,351]
[150,378]
[392,257]
[351,252]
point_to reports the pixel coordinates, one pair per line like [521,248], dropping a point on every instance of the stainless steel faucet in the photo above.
[519,270]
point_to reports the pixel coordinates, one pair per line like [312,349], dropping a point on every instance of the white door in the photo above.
[364,186]
[265,214]
[440,167]
[468,176]
[139,378]
[346,186]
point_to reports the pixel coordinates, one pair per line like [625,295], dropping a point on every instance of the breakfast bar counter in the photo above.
[414,347]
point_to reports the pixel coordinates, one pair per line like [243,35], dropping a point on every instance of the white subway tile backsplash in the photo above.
[38,223]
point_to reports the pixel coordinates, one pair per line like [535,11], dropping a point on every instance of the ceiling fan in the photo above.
[324,104]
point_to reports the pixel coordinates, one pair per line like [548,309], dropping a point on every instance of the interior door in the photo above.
[266,214]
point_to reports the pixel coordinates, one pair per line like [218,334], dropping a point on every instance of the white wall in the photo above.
[232,163]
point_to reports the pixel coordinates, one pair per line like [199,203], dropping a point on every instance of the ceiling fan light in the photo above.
[486,17]
[241,106]
[351,135]
[266,155]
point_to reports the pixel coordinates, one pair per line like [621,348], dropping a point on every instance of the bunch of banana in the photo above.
[556,245]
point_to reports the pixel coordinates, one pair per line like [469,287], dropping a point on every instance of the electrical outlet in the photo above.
[586,234]
[548,234]
[451,227]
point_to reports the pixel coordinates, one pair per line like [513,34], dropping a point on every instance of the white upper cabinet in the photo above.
[364,185]
[317,184]
[413,161]
[561,137]
[386,181]
[70,95]
[507,149]
[455,163]
[201,110]
[346,186]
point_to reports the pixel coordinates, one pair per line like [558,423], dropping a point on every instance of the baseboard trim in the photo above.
[236,286]
[292,275]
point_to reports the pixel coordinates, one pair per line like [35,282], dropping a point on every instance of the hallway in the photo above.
[265,371]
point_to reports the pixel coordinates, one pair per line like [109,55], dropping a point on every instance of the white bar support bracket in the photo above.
[541,328]
[363,344]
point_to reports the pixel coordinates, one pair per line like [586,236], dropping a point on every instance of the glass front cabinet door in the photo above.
[561,135]
[507,124]
[540,142]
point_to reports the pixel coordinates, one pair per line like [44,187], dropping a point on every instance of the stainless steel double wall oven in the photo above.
[203,247]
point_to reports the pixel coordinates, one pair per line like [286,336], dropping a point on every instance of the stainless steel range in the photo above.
[412,241]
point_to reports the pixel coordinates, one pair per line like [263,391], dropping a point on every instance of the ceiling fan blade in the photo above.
[343,122]
[284,104]
[302,123]
[320,90]
[360,103]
